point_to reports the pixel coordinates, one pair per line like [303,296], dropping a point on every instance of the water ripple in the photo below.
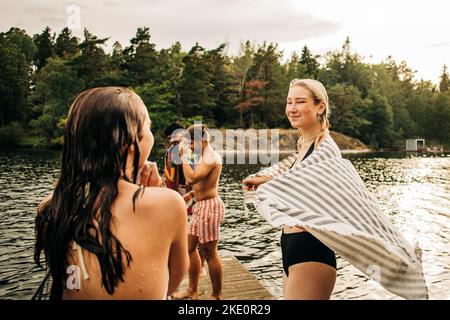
[412,190]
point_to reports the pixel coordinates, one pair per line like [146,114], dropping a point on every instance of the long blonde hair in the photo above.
[319,94]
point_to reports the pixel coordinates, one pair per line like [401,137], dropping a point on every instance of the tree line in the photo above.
[381,104]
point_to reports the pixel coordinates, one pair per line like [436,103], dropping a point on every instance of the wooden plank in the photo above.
[238,283]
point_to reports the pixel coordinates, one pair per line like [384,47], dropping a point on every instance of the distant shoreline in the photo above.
[345,151]
[287,139]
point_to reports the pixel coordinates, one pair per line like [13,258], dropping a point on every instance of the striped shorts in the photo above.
[206,218]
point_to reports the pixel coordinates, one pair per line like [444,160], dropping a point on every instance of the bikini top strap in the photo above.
[77,247]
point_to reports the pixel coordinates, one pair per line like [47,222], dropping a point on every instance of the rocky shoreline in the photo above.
[287,142]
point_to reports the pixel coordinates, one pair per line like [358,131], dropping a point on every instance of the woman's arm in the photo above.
[178,255]
[255,182]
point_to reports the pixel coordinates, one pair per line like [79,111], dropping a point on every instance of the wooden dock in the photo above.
[238,283]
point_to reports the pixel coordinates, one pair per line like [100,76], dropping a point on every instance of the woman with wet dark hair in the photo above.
[107,230]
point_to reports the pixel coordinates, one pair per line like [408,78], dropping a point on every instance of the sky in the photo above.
[415,31]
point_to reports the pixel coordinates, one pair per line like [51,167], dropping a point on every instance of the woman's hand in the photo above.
[149,175]
[255,182]
[184,148]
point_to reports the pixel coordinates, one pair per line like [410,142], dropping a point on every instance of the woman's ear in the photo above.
[322,108]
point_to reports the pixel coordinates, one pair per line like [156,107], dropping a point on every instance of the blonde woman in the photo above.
[323,206]
[309,265]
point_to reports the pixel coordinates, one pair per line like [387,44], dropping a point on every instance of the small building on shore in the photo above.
[415,145]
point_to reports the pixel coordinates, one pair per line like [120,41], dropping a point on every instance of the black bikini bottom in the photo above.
[304,247]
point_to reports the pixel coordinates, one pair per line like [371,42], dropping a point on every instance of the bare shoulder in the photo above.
[44,203]
[212,157]
[162,202]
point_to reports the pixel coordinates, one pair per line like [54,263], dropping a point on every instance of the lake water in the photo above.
[413,190]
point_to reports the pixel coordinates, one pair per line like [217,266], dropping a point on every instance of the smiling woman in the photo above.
[307,110]
[323,206]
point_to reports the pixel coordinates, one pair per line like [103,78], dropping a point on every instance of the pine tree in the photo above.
[170,69]
[253,98]
[15,73]
[223,87]
[444,84]
[196,89]
[380,124]
[141,58]
[45,47]
[17,50]
[267,68]
[66,44]
[92,63]
[309,66]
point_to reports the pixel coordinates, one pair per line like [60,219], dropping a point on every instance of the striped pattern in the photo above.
[325,195]
[206,219]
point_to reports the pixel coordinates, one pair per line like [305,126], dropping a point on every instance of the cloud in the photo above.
[439,44]
[208,22]
[213,21]
[33,16]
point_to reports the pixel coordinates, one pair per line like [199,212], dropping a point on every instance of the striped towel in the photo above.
[325,195]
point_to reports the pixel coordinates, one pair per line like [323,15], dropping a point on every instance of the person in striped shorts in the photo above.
[208,211]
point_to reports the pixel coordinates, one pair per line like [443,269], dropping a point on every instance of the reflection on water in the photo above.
[25,178]
[413,190]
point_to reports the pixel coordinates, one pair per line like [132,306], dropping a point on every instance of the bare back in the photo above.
[154,234]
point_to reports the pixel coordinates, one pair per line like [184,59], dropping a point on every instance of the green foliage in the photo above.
[16,52]
[267,68]
[140,58]
[23,41]
[444,84]
[308,65]
[379,132]
[170,70]
[196,89]
[348,110]
[440,128]
[346,67]
[45,43]
[223,87]
[93,63]
[191,120]
[56,87]
[66,44]
[157,98]
[11,135]
[381,104]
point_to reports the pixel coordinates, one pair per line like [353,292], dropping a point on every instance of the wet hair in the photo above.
[102,125]
[194,131]
[319,94]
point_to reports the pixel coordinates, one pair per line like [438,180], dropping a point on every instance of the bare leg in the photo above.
[202,267]
[310,281]
[215,268]
[194,271]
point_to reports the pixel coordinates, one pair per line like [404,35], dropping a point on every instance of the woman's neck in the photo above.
[310,133]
